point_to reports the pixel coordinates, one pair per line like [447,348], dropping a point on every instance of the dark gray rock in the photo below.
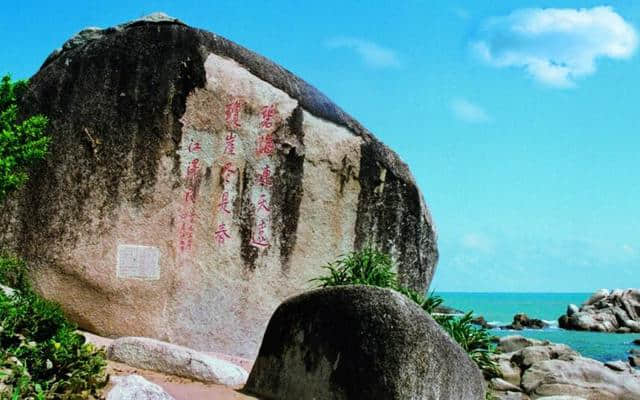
[572,309]
[359,342]
[636,342]
[480,321]
[522,321]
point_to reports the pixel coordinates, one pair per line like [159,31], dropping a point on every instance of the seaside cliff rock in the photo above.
[360,342]
[615,311]
[192,185]
[534,369]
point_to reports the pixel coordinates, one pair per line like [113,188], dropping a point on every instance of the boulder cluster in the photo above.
[534,369]
[605,311]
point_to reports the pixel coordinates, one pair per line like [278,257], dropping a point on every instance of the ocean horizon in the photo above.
[498,308]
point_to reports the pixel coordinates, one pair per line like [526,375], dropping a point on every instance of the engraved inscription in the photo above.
[138,262]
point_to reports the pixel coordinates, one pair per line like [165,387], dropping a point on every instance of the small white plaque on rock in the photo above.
[138,262]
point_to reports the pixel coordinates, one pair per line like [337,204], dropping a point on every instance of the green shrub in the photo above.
[373,267]
[41,355]
[477,342]
[21,142]
[365,267]
[13,272]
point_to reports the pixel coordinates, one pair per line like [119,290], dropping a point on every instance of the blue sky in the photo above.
[520,120]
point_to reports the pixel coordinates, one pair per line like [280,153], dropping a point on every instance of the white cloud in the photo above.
[478,242]
[466,111]
[371,53]
[555,46]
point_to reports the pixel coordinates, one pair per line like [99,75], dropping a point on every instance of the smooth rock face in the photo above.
[192,185]
[555,370]
[135,387]
[170,359]
[615,311]
[359,342]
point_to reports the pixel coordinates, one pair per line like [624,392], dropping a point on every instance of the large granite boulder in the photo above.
[536,369]
[192,185]
[360,342]
[605,311]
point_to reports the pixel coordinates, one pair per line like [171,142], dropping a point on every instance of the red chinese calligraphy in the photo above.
[230,144]
[224,203]
[268,113]
[266,145]
[187,215]
[228,170]
[264,178]
[190,195]
[194,146]
[221,234]
[232,113]
[193,168]
[260,239]
[262,204]
[185,236]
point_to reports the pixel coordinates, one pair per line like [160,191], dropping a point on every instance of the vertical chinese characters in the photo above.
[228,172]
[265,148]
[187,215]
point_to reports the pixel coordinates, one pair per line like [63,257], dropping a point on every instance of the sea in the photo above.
[499,309]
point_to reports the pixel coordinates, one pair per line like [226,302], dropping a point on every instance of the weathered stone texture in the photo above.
[360,342]
[132,108]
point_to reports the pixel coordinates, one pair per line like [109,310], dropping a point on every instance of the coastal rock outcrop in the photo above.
[522,321]
[192,185]
[605,311]
[540,368]
[360,342]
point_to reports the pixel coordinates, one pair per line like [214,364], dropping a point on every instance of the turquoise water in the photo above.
[499,308]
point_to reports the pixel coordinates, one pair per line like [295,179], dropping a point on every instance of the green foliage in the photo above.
[365,267]
[373,267]
[41,355]
[477,342]
[21,142]
[13,272]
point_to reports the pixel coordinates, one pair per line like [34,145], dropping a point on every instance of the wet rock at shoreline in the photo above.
[541,369]
[480,321]
[360,342]
[605,311]
[522,321]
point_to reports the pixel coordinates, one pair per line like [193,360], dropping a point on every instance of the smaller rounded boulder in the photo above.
[360,342]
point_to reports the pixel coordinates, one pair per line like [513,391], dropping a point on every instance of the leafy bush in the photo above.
[21,142]
[373,267]
[365,267]
[13,272]
[477,342]
[41,355]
